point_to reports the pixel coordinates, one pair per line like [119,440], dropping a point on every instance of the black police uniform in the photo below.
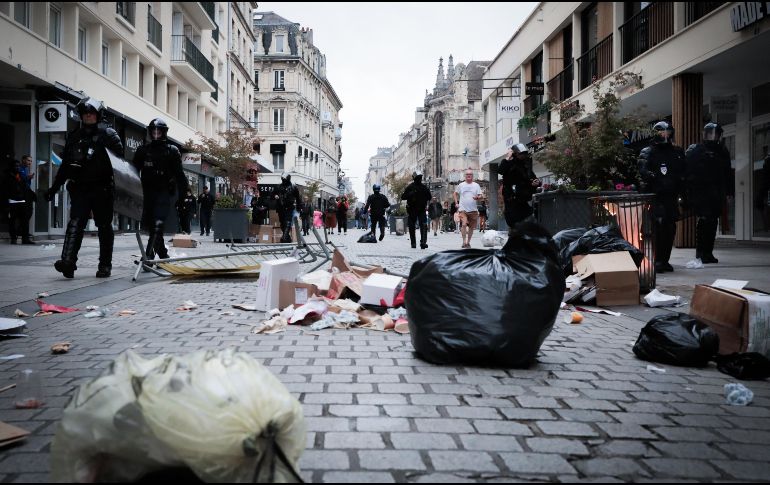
[417,197]
[378,204]
[186,208]
[288,199]
[662,168]
[708,180]
[87,166]
[517,189]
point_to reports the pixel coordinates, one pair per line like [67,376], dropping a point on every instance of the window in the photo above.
[256,80]
[21,13]
[54,26]
[279,119]
[279,78]
[278,161]
[105,59]
[123,71]
[126,10]
[279,43]
[141,80]
[81,44]
[256,119]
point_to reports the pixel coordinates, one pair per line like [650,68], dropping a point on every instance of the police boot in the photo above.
[106,242]
[700,238]
[159,245]
[423,237]
[73,238]
[709,233]
[382,233]
[412,235]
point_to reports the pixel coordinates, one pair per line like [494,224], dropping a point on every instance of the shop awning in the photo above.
[263,164]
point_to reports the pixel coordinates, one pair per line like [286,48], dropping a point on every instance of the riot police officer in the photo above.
[86,165]
[662,168]
[288,200]
[417,197]
[377,203]
[709,178]
[519,184]
[160,167]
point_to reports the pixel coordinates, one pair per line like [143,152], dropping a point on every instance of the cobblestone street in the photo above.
[589,410]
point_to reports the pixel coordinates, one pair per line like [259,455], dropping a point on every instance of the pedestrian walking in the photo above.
[466,194]
[288,200]
[330,218]
[87,170]
[186,209]
[417,197]
[662,170]
[708,183]
[357,217]
[376,205]
[18,199]
[435,211]
[205,208]
[519,184]
[306,214]
[342,215]
[258,210]
[483,216]
[454,217]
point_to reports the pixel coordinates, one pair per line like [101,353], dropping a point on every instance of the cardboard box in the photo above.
[274,220]
[265,235]
[270,276]
[295,293]
[341,263]
[740,317]
[345,285]
[615,275]
[183,241]
[379,287]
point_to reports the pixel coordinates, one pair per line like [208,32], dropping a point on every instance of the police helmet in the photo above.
[519,148]
[90,105]
[285,177]
[417,176]
[157,129]
[376,188]
[712,132]
[663,132]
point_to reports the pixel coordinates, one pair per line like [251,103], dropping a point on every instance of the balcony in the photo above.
[648,28]
[127,10]
[210,9]
[154,31]
[695,11]
[596,63]
[191,63]
[560,86]
[215,92]
[215,35]
[201,13]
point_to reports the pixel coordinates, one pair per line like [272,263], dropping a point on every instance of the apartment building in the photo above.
[378,165]
[698,61]
[296,109]
[240,60]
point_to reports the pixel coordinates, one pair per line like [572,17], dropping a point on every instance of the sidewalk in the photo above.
[587,411]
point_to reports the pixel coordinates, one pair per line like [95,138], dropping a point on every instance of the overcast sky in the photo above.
[381,57]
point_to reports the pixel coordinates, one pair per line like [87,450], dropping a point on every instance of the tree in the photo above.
[352,199]
[591,155]
[230,157]
[311,191]
[396,185]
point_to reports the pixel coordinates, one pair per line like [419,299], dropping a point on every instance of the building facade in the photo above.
[240,63]
[698,61]
[143,60]
[378,166]
[296,110]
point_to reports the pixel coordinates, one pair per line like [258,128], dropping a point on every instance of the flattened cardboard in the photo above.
[11,434]
[184,241]
[345,285]
[341,263]
[295,293]
[615,274]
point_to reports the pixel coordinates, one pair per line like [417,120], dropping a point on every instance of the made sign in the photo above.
[508,108]
[52,117]
[745,14]
[537,89]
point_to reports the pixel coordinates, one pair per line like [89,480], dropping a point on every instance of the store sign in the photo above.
[191,159]
[745,14]
[724,104]
[52,117]
[508,108]
[537,89]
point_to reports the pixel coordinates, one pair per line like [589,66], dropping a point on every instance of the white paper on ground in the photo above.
[657,299]
[655,370]
[732,284]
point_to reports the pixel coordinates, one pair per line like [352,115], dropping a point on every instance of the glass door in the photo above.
[59,206]
[760,179]
[727,218]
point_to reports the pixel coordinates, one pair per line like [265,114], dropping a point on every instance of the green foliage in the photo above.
[311,190]
[399,211]
[397,184]
[530,119]
[591,155]
[226,202]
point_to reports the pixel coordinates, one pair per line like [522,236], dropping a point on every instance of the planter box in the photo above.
[231,224]
[556,211]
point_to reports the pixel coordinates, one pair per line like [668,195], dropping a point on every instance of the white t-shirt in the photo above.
[467,191]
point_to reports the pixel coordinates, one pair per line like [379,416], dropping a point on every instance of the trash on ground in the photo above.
[396,313]
[12,357]
[492,238]
[745,366]
[295,293]
[61,347]
[29,390]
[269,282]
[312,308]
[321,279]
[694,264]
[573,318]
[98,313]
[379,288]
[402,326]
[48,247]
[602,311]
[217,412]
[10,434]
[516,293]
[183,241]
[368,238]
[43,294]
[227,314]
[7,388]
[20,314]
[126,313]
[604,239]
[245,307]
[187,306]
[343,319]
[615,276]
[677,340]
[573,287]
[656,299]
[346,304]
[346,285]
[655,370]
[42,314]
[738,394]
[92,307]
[274,325]
[11,324]
[730,284]
[47,307]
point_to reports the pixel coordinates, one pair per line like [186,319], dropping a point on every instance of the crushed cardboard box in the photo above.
[615,276]
[295,293]
[184,241]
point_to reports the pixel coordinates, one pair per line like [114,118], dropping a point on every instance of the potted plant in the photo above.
[231,220]
[588,156]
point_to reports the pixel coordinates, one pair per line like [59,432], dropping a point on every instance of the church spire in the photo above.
[450,70]
[440,75]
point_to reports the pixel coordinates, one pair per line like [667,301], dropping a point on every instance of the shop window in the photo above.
[760,100]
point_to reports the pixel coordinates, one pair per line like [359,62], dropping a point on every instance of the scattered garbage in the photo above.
[10,434]
[42,314]
[346,304]
[738,394]
[11,324]
[486,307]
[314,307]
[656,299]
[401,326]
[126,313]
[187,306]
[396,313]
[12,357]
[744,366]
[92,307]
[48,308]
[29,390]
[368,238]
[245,307]
[61,347]
[276,324]
[694,264]
[492,238]
[48,247]
[604,239]
[20,314]
[219,413]
[677,340]
[655,370]
[7,388]
[343,319]
[602,311]
[227,314]
[322,279]
[43,294]
[97,313]
[574,318]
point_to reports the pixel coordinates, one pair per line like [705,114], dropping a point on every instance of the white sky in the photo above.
[381,57]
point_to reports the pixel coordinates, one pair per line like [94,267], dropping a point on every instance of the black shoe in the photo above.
[660,267]
[709,259]
[668,267]
[414,246]
[423,246]
[382,236]
[434,233]
[66,268]
[104,271]
[201,234]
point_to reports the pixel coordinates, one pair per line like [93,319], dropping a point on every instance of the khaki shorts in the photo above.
[471,219]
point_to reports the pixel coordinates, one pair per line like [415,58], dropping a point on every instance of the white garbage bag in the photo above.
[492,238]
[218,413]
[657,299]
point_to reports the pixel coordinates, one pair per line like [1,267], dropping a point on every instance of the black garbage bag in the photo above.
[603,239]
[368,238]
[746,366]
[677,340]
[486,307]
[563,239]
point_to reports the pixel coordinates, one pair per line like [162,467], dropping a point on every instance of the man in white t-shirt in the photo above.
[468,193]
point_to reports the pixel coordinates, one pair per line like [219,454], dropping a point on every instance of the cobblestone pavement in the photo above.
[588,410]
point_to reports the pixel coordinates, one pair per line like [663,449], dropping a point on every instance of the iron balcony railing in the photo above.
[154,31]
[531,102]
[127,10]
[215,92]
[651,26]
[215,34]
[694,11]
[596,63]
[183,49]
[560,87]
[210,9]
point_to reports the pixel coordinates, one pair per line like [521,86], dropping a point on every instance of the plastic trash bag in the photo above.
[745,366]
[604,239]
[677,340]
[738,395]
[368,238]
[694,264]
[655,299]
[495,306]
[563,239]
[219,413]
[492,238]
